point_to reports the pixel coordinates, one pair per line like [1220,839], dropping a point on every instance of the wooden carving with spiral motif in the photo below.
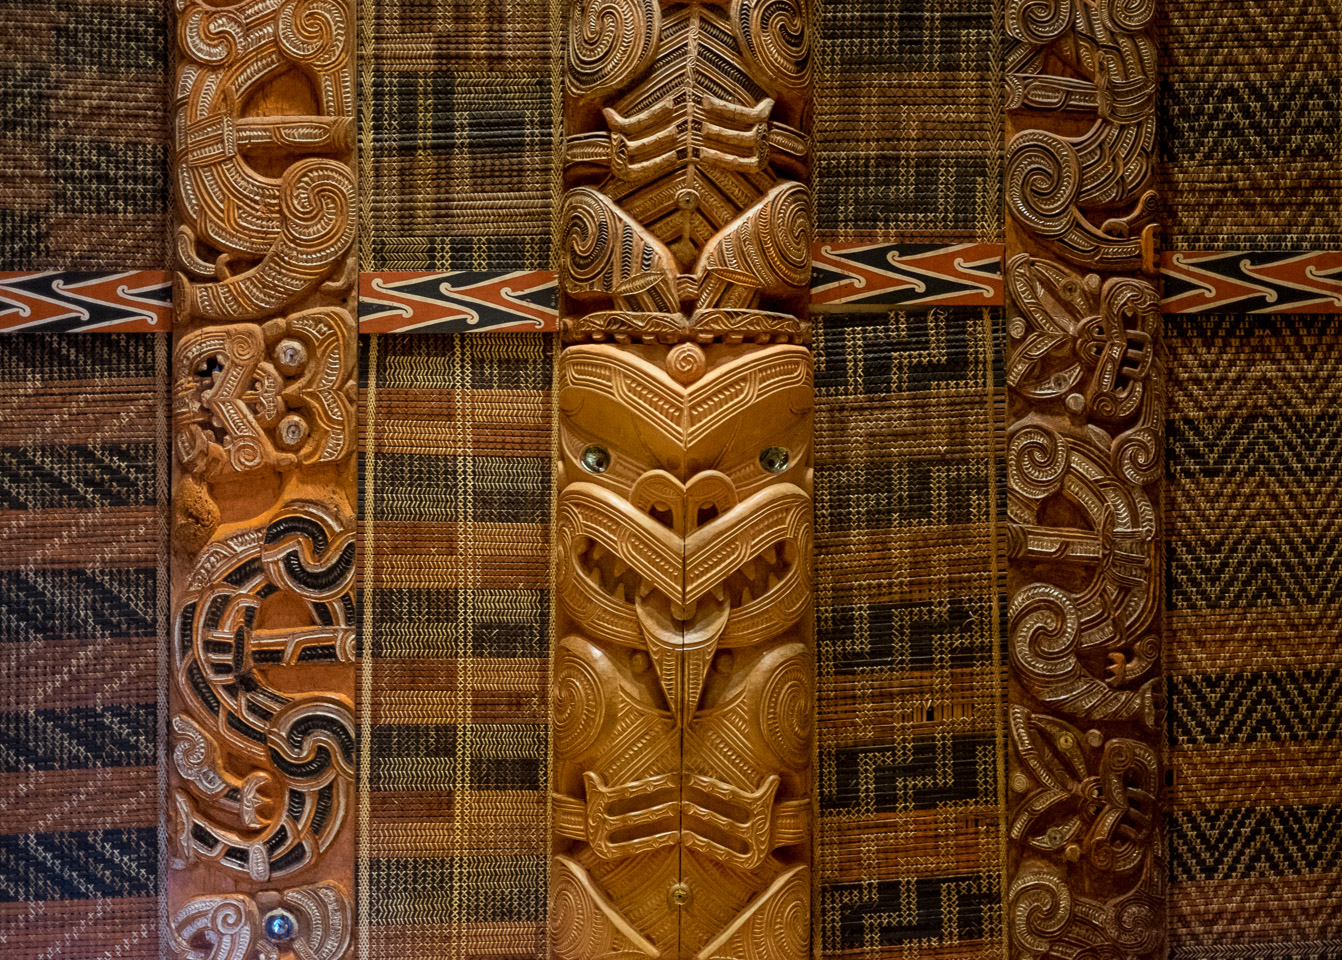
[1085,381]
[261,699]
[683,670]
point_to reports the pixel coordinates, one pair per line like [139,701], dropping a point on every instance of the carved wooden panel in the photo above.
[683,676]
[1086,855]
[261,698]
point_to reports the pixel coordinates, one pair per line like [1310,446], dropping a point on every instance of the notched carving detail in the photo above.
[683,695]
[683,703]
[686,211]
[264,433]
[298,749]
[308,923]
[1085,387]
[1087,196]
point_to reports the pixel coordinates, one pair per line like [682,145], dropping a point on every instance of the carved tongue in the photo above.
[682,650]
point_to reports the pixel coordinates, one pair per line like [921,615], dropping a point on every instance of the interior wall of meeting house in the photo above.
[1069,650]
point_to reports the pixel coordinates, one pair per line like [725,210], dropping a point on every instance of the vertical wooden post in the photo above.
[1086,859]
[261,698]
[683,673]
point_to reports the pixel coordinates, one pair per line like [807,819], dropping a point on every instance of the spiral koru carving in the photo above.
[683,702]
[1084,457]
[261,705]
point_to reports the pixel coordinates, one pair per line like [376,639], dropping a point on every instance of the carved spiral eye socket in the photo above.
[774,459]
[595,459]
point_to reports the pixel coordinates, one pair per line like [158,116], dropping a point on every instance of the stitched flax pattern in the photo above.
[82,543]
[1251,124]
[1255,636]
[455,132]
[83,135]
[455,573]
[908,120]
[908,611]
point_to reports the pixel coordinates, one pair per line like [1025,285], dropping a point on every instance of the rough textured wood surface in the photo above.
[1086,853]
[683,673]
[261,695]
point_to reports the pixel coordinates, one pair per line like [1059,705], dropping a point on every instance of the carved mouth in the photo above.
[759,575]
[748,583]
[611,575]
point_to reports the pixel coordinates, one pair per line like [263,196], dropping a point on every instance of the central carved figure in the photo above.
[682,678]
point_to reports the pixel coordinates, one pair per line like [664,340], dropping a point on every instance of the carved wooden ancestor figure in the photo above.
[683,676]
[261,765]
[1084,376]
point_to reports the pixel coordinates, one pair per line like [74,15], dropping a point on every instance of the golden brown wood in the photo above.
[683,677]
[261,699]
[1086,858]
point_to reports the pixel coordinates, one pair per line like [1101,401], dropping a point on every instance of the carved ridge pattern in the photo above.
[263,648]
[683,677]
[1085,382]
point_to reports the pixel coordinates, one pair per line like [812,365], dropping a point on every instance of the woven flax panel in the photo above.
[455,132]
[83,134]
[455,489]
[908,630]
[908,120]
[82,431]
[1254,636]
[1251,124]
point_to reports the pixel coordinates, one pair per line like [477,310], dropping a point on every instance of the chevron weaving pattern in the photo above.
[1255,636]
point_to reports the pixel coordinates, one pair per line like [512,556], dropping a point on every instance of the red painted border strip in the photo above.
[906,274]
[57,301]
[1298,281]
[845,274]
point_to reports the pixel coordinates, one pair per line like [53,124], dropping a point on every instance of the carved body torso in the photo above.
[682,677]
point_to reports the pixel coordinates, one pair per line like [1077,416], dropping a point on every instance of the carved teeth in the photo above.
[719,593]
[619,592]
[770,554]
[773,581]
[644,588]
[620,566]
[598,551]
[746,596]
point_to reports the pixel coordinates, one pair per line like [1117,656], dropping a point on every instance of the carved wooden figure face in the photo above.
[683,680]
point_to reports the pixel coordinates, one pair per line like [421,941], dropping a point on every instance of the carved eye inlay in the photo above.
[774,459]
[279,925]
[595,459]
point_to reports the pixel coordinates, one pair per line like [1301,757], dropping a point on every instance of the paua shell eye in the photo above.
[595,459]
[774,459]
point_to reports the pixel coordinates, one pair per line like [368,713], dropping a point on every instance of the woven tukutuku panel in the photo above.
[1251,124]
[455,600]
[908,120]
[1254,621]
[84,117]
[908,633]
[455,134]
[83,467]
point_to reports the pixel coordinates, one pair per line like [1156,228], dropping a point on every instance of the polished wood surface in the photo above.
[1086,857]
[683,690]
[261,696]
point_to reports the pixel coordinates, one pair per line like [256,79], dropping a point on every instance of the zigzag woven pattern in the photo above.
[83,135]
[1255,636]
[907,492]
[82,544]
[1251,124]
[455,489]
